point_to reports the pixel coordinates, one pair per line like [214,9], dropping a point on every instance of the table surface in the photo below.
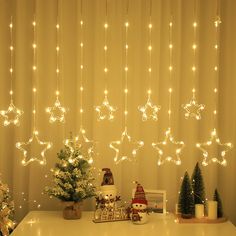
[51,223]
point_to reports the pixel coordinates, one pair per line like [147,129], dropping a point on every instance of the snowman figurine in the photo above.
[139,206]
[108,189]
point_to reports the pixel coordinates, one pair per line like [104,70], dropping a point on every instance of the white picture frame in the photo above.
[156,200]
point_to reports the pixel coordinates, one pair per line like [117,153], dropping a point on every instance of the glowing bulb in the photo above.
[81,88]
[57,70]
[81,22]
[11,92]
[57,48]
[126,46]
[193,68]
[126,68]
[105,70]
[169,112]
[216,46]
[11,25]
[170,68]
[11,70]
[105,47]
[215,90]
[81,67]
[149,91]
[57,26]
[34,90]
[170,90]
[215,68]
[170,24]
[126,113]
[57,92]
[34,67]
[150,26]
[194,46]
[126,24]
[106,25]
[170,46]
[11,48]
[126,90]
[193,90]
[105,92]
[34,45]
[34,23]
[149,47]
[195,24]
[81,110]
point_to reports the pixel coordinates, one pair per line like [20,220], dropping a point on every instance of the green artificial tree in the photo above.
[198,185]
[72,174]
[217,198]
[7,223]
[186,198]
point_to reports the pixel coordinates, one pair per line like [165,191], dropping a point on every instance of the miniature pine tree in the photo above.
[198,185]
[73,179]
[186,199]
[219,204]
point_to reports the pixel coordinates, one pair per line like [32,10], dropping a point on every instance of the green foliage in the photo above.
[73,179]
[186,198]
[217,198]
[198,186]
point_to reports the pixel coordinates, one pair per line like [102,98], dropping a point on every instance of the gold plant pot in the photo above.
[72,210]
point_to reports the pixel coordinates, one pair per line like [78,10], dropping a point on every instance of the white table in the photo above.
[51,223]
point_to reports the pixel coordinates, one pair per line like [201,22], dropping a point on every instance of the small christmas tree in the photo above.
[6,211]
[186,199]
[198,186]
[73,179]
[219,204]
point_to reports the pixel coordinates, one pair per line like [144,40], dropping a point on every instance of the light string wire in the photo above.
[194,47]
[105,51]
[45,145]
[11,59]
[81,63]
[149,110]
[214,139]
[57,111]
[12,109]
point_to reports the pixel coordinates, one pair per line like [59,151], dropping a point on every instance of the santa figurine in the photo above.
[139,206]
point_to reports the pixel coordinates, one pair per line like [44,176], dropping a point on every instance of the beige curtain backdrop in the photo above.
[27,183]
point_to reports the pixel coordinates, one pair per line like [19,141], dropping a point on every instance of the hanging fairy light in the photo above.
[57,111]
[12,114]
[105,110]
[169,141]
[193,109]
[149,110]
[125,148]
[81,139]
[214,140]
[34,139]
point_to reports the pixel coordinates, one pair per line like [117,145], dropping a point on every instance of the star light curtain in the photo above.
[105,110]
[12,114]
[81,139]
[192,108]
[34,139]
[149,111]
[125,148]
[164,147]
[57,111]
[208,155]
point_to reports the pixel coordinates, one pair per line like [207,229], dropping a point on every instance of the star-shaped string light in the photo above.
[149,110]
[57,112]
[169,140]
[105,111]
[81,142]
[33,140]
[193,109]
[207,156]
[11,115]
[122,145]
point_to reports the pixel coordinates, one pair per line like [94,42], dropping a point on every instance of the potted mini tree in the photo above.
[73,181]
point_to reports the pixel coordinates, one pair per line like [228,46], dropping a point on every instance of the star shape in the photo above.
[34,139]
[81,142]
[193,109]
[57,112]
[11,115]
[214,140]
[149,110]
[105,111]
[169,140]
[121,146]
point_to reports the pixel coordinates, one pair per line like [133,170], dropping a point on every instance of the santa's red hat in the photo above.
[139,196]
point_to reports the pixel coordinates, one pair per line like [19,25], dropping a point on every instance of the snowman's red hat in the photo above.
[139,196]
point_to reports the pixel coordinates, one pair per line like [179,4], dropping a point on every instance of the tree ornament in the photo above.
[217,198]
[207,155]
[125,148]
[169,140]
[186,198]
[33,140]
[198,185]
